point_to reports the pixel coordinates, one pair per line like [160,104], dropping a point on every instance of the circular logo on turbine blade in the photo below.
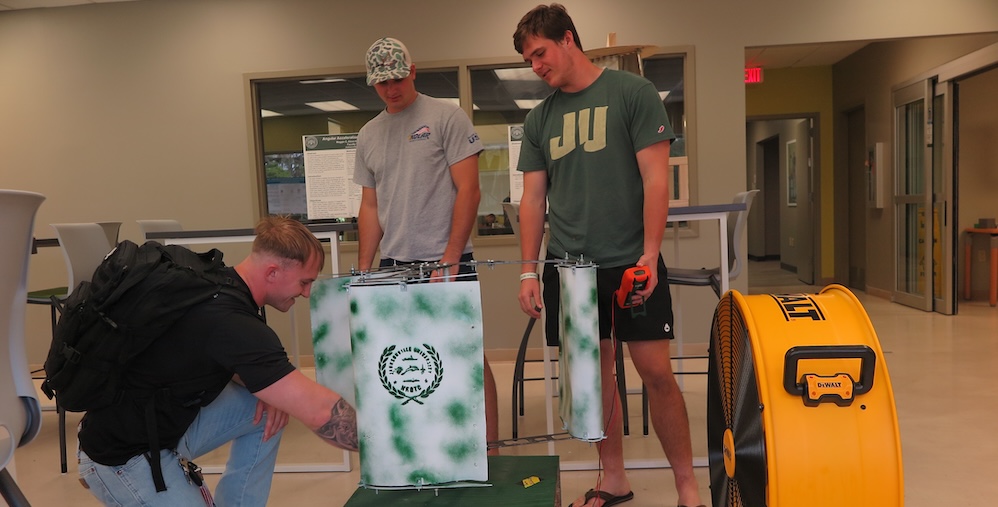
[410,373]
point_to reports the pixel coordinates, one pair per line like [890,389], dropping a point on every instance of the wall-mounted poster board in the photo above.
[329,188]
[514,138]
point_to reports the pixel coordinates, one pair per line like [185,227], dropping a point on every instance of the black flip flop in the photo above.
[608,499]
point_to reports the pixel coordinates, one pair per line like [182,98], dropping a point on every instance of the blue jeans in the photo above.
[248,472]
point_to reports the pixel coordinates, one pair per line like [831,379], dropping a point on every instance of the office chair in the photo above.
[84,247]
[111,229]
[702,277]
[147,226]
[736,229]
[512,212]
[20,412]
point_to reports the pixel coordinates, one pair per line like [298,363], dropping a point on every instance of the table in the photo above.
[993,272]
[506,490]
[328,232]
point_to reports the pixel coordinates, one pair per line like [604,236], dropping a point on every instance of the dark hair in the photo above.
[547,21]
[288,239]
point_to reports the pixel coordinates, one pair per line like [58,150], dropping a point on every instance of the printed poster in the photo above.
[330,192]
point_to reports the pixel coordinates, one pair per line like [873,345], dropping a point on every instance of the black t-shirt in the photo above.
[195,359]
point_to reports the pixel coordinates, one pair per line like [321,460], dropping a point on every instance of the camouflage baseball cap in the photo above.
[387,59]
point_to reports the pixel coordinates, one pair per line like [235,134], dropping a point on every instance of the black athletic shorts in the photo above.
[467,271]
[654,324]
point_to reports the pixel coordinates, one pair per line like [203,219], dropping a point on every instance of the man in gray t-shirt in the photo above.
[417,162]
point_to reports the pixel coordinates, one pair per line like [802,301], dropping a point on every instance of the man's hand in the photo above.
[530,297]
[651,264]
[446,273]
[276,419]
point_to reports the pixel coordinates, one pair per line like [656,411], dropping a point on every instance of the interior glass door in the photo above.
[913,196]
[943,238]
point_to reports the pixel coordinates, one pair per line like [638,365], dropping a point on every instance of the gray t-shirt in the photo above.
[406,157]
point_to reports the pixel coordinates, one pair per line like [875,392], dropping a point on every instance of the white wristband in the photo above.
[527,275]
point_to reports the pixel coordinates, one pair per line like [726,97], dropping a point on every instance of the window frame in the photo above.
[463,69]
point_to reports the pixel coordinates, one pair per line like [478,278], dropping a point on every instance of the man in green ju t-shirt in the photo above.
[598,150]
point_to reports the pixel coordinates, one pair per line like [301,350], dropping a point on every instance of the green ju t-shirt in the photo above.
[587,141]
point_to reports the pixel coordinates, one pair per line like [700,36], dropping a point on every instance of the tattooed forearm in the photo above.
[341,429]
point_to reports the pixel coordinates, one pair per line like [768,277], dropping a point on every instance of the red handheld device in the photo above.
[634,279]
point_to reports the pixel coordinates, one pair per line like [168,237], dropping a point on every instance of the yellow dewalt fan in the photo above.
[800,411]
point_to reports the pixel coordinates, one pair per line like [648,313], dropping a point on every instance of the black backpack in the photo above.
[135,295]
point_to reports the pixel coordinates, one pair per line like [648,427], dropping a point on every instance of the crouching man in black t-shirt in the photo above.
[219,375]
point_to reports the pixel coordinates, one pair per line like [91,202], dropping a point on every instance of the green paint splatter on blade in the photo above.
[466,348]
[459,451]
[424,305]
[344,286]
[343,361]
[319,290]
[400,441]
[458,413]
[478,377]
[422,477]
[463,309]
[358,336]
[385,307]
[320,333]
[321,360]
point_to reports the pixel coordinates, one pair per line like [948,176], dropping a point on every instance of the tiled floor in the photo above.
[942,371]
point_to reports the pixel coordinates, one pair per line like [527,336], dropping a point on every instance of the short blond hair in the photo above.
[288,239]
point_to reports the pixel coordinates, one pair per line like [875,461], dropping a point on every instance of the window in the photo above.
[307,105]
[667,73]
[501,97]
[285,174]
[340,102]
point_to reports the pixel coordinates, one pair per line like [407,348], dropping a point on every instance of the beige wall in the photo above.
[138,109]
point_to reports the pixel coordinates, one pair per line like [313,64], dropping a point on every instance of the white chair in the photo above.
[111,229]
[736,229]
[147,226]
[20,413]
[84,246]
[512,212]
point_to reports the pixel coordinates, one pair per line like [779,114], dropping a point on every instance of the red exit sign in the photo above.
[753,75]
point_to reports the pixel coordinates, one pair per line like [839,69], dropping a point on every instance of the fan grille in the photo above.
[733,404]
